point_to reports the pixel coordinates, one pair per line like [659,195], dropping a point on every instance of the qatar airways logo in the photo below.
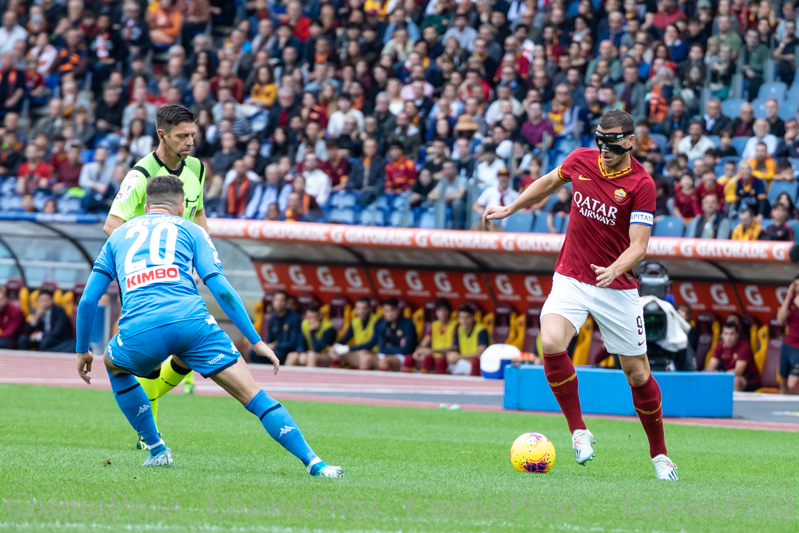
[595,209]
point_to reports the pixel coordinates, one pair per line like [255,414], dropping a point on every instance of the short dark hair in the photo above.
[466,308]
[171,115]
[280,291]
[164,190]
[364,299]
[46,290]
[443,303]
[732,325]
[617,118]
[391,302]
[312,309]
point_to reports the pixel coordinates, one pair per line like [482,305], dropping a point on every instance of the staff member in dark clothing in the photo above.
[283,330]
[395,337]
[788,314]
[50,329]
[12,321]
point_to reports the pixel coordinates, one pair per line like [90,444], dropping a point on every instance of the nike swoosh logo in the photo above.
[640,343]
[581,178]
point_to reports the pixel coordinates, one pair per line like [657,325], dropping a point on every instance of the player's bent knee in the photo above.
[111,367]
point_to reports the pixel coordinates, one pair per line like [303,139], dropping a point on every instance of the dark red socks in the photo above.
[648,405]
[563,381]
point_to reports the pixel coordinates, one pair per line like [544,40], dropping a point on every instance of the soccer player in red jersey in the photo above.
[612,213]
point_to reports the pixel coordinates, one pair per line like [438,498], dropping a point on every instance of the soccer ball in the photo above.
[532,452]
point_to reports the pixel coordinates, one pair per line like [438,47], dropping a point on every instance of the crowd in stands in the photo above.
[388,111]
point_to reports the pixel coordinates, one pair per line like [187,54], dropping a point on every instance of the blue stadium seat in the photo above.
[8,186]
[520,222]
[365,217]
[732,107]
[759,107]
[11,202]
[39,199]
[551,201]
[732,158]
[793,94]
[715,139]
[739,143]
[794,224]
[380,217]
[766,222]
[342,216]
[427,220]
[395,219]
[69,205]
[540,224]
[787,110]
[86,156]
[774,89]
[565,225]
[661,141]
[342,199]
[794,164]
[778,187]
[381,203]
[669,226]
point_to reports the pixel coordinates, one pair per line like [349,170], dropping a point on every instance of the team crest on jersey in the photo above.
[619,195]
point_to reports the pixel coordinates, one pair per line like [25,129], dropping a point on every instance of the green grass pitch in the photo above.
[407,470]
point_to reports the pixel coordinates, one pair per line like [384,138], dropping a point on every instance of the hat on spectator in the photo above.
[503,172]
[466,123]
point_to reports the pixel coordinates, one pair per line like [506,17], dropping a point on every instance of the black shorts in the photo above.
[752,386]
[789,361]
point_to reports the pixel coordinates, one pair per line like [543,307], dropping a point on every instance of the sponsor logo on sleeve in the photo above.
[124,191]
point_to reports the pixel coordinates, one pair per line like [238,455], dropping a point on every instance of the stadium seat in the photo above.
[766,222]
[499,322]
[520,222]
[751,326]
[739,143]
[306,300]
[732,107]
[531,330]
[8,186]
[778,187]
[342,215]
[517,331]
[794,164]
[792,95]
[774,89]
[343,199]
[11,202]
[669,226]
[715,139]
[770,363]
[395,219]
[759,106]
[69,205]
[787,110]
[661,141]
[338,311]
[427,220]
[794,224]
[565,225]
[735,159]
[708,327]
[86,156]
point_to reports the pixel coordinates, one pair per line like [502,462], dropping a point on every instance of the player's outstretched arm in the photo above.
[540,189]
[95,288]
[230,302]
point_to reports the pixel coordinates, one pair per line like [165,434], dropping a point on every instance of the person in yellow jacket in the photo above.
[437,340]
[318,335]
[470,341]
[748,229]
[355,338]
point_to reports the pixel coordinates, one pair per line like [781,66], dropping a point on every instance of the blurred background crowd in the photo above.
[405,113]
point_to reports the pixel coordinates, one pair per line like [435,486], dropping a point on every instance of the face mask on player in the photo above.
[608,140]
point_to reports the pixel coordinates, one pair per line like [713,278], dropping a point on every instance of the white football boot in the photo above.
[583,443]
[664,468]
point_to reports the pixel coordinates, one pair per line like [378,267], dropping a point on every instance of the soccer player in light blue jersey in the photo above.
[153,257]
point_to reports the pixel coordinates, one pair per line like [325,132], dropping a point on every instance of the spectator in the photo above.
[761,136]
[753,58]
[400,173]
[733,354]
[696,144]
[335,124]
[283,330]
[499,194]
[779,230]
[743,125]
[468,343]
[562,207]
[407,135]
[367,177]
[318,336]
[453,189]
[239,190]
[785,199]
[395,337]
[355,338]
[422,187]
[763,167]
[11,32]
[776,126]
[632,92]
[49,328]
[272,191]
[165,21]
[686,198]
[33,173]
[749,229]
[489,166]
[12,322]
[713,121]
[68,175]
[437,340]
[788,314]
[709,186]
[750,192]
[712,223]
[537,131]
[228,153]
[12,84]
[317,182]
[785,53]
[464,34]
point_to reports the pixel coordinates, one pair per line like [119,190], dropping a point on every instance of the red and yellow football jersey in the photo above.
[603,207]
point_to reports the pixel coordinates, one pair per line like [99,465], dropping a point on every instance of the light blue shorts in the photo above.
[200,344]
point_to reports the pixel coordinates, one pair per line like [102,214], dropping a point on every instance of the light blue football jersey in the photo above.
[153,257]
